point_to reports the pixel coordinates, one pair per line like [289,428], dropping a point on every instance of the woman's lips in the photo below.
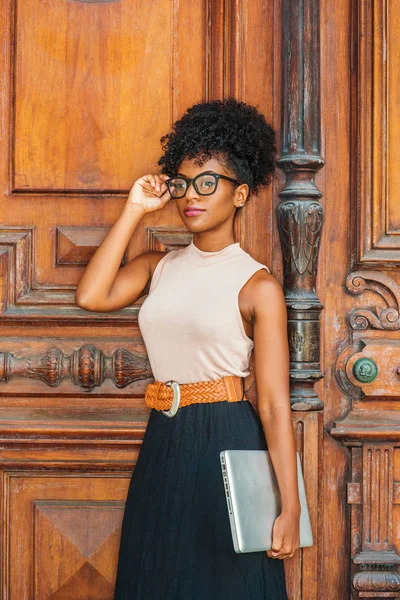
[192,212]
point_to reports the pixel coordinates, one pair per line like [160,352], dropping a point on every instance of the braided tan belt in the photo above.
[171,395]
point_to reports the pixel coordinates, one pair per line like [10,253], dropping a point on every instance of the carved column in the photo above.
[377,558]
[300,214]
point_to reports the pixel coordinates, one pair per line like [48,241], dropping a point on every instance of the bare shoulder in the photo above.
[262,293]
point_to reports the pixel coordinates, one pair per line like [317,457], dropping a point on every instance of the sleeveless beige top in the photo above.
[190,321]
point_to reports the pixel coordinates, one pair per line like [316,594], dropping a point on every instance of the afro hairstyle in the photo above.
[233,132]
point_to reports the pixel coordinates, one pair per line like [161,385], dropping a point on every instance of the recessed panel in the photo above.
[96,86]
[393,125]
[63,534]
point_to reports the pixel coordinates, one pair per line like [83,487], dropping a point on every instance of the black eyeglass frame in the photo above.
[188,182]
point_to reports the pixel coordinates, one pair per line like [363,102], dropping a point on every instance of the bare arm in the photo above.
[104,285]
[271,355]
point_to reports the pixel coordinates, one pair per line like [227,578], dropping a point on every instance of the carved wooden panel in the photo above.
[368,371]
[368,363]
[62,532]
[374,523]
[377,61]
[83,367]
[360,119]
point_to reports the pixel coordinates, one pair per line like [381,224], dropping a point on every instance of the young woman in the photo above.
[209,304]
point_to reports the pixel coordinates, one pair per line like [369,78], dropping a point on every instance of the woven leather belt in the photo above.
[170,396]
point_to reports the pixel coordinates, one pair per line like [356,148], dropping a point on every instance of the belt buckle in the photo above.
[176,399]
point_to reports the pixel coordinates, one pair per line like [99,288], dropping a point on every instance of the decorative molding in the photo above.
[363,426]
[20,295]
[377,581]
[300,215]
[87,367]
[377,468]
[164,239]
[341,370]
[16,247]
[375,243]
[388,318]
[370,369]
[226,47]
[372,497]
[76,245]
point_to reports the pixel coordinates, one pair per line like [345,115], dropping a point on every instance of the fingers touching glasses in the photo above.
[204,184]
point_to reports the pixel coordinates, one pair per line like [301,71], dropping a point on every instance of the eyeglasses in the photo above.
[205,184]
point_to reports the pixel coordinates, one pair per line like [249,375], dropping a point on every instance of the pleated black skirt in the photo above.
[176,541]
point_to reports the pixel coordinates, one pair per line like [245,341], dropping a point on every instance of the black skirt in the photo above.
[176,541]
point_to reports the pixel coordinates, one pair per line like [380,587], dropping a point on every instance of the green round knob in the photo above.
[365,370]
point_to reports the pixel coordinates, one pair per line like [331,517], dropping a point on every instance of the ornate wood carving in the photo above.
[387,318]
[371,496]
[300,214]
[372,583]
[87,367]
[370,369]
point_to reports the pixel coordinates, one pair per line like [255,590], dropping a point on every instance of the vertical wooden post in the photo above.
[300,214]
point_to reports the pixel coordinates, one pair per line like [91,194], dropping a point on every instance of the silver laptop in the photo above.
[253,499]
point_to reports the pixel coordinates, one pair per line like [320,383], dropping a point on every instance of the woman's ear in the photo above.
[242,193]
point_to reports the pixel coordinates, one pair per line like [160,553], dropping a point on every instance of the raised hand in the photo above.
[149,193]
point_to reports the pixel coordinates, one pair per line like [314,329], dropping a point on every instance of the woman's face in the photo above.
[217,208]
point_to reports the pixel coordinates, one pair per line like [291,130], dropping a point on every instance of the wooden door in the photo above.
[360,280]
[87,89]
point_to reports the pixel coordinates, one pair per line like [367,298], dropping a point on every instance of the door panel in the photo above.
[64,534]
[360,53]
[88,89]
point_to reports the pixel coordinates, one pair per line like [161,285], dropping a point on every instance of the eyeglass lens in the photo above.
[204,185]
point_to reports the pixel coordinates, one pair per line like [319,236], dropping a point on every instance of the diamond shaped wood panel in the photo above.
[63,533]
[84,536]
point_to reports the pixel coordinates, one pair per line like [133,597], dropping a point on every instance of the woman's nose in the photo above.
[190,191]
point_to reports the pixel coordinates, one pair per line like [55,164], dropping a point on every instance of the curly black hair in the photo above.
[233,132]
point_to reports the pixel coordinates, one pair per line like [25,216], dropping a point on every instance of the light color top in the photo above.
[190,321]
